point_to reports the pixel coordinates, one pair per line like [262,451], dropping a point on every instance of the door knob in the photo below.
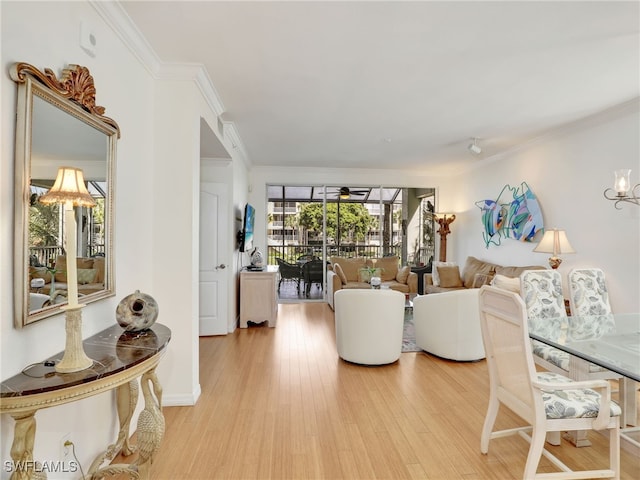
[222,266]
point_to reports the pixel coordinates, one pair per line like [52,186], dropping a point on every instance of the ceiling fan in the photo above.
[345,192]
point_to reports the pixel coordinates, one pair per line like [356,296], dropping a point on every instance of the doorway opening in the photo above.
[308,223]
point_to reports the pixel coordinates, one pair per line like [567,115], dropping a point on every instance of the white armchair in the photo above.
[369,325]
[448,324]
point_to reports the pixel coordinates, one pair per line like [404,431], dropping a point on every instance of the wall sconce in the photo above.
[444,220]
[622,189]
[69,189]
[554,242]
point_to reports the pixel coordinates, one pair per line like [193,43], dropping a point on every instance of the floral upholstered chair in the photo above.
[589,299]
[542,295]
[548,402]
[588,292]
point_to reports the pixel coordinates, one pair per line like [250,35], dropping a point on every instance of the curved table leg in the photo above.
[150,423]
[126,401]
[22,448]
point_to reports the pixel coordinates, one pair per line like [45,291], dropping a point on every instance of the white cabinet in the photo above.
[259,296]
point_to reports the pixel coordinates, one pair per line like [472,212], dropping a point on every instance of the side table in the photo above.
[259,296]
[119,359]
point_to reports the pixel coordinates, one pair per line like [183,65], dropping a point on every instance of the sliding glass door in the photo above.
[306,222]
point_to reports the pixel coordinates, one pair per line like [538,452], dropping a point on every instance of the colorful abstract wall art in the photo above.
[514,214]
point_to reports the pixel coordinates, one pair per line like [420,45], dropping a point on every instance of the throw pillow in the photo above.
[434,271]
[340,273]
[61,266]
[449,276]
[40,272]
[388,267]
[403,274]
[87,275]
[350,266]
[506,283]
[481,279]
[473,266]
[99,265]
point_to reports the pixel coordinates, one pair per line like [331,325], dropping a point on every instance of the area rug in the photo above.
[409,334]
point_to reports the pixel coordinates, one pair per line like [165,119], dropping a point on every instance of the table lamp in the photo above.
[69,189]
[554,242]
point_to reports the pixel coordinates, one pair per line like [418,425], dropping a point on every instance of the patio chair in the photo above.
[312,272]
[547,401]
[289,272]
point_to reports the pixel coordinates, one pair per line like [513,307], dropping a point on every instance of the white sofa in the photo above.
[448,324]
[369,325]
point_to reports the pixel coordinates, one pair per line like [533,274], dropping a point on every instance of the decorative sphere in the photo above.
[137,312]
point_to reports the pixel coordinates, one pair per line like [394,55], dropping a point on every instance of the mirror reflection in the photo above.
[53,132]
[52,148]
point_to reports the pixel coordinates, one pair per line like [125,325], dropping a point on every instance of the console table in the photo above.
[259,296]
[119,359]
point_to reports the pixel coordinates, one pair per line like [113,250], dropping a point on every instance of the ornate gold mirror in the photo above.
[60,125]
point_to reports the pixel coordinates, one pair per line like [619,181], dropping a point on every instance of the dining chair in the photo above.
[313,272]
[541,291]
[547,401]
[289,271]
[589,298]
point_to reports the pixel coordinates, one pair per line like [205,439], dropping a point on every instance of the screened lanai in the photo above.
[354,221]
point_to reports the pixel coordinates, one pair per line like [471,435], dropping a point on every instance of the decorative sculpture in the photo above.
[136,312]
[256,257]
[519,218]
[150,423]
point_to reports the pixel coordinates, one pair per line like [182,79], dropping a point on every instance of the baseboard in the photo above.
[182,400]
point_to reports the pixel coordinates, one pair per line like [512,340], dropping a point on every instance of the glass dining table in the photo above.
[611,341]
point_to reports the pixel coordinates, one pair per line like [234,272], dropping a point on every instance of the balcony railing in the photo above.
[47,255]
[290,253]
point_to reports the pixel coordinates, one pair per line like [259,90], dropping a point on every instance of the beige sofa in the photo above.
[91,273]
[474,274]
[356,272]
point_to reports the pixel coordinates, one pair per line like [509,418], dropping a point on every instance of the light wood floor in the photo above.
[278,403]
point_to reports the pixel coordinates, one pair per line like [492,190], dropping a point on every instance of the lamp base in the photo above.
[555,262]
[74,358]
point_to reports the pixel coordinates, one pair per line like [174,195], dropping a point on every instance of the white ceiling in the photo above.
[401,85]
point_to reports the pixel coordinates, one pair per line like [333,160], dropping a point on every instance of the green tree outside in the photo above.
[355,220]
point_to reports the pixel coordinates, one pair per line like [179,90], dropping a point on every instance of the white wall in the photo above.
[156,206]
[125,88]
[568,172]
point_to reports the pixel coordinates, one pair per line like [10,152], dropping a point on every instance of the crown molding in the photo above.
[120,22]
[117,18]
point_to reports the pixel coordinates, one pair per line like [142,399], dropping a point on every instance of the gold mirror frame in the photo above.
[73,97]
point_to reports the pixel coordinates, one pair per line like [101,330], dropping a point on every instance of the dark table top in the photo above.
[112,350]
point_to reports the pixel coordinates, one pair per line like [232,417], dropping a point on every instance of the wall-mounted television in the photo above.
[245,236]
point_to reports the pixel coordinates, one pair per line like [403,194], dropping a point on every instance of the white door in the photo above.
[214,233]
